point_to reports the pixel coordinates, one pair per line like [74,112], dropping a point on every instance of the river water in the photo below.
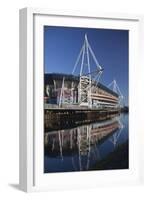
[96,146]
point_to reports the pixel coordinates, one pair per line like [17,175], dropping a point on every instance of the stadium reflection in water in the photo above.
[96,146]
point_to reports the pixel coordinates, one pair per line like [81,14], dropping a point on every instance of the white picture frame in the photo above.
[31,102]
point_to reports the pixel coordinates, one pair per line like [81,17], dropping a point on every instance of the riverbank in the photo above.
[55,119]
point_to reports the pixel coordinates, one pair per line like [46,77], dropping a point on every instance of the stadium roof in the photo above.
[49,77]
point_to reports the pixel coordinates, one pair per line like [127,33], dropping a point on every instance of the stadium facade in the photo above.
[64,90]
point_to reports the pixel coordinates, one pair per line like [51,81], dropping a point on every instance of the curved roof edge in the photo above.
[75,78]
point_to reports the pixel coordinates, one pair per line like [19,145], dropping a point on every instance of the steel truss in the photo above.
[86,80]
[114,86]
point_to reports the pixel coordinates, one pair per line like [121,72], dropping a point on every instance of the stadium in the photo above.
[64,90]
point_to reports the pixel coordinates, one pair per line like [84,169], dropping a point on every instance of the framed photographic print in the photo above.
[79,107]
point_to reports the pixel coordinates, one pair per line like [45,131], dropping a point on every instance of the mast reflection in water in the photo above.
[96,146]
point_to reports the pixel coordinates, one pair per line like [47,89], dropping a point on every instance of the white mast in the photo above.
[85,83]
[114,86]
[61,99]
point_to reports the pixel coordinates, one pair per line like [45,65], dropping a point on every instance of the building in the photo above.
[70,90]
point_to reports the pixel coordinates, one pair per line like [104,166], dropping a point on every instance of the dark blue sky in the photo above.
[62,46]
